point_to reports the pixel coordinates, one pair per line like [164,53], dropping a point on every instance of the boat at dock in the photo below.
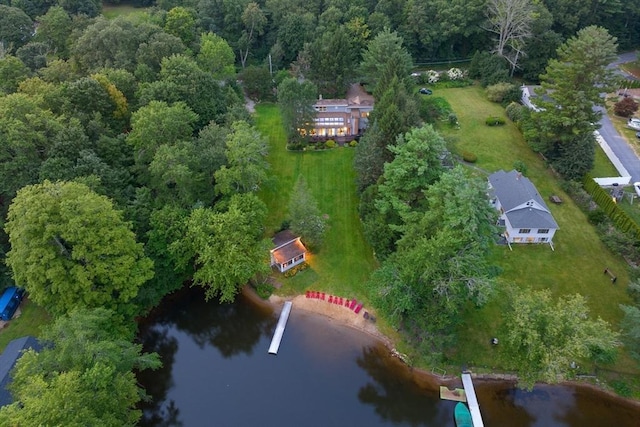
[462,415]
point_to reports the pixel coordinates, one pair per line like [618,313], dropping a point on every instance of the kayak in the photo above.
[462,415]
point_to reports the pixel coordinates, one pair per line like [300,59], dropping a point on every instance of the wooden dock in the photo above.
[472,401]
[282,323]
[457,394]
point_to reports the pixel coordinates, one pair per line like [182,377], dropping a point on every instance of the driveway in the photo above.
[617,143]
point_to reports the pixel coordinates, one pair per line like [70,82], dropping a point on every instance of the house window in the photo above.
[524,231]
[542,239]
[543,231]
[321,108]
[364,114]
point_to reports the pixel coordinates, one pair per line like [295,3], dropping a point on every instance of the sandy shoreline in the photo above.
[346,317]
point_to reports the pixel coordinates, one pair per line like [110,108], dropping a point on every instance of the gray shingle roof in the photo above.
[513,190]
[8,359]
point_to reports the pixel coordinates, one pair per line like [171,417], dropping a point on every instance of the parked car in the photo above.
[638,135]
[634,123]
[426,91]
[636,186]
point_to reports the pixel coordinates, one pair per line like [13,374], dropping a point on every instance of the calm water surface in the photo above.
[217,372]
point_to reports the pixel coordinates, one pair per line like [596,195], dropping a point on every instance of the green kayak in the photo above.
[462,415]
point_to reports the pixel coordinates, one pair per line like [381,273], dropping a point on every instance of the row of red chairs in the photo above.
[351,304]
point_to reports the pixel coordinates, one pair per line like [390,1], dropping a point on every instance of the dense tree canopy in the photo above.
[84,376]
[544,338]
[71,249]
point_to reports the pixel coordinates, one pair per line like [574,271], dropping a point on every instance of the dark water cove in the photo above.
[217,372]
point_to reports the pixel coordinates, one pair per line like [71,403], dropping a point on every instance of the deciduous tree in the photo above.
[246,166]
[545,336]
[83,376]
[254,21]
[510,22]
[305,216]
[216,56]
[296,101]
[70,248]
[226,247]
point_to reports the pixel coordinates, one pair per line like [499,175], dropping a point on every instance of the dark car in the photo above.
[637,134]
[425,91]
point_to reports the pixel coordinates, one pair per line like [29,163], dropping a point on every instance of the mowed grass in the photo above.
[575,266]
[345,261]
[29,323]
[111,11]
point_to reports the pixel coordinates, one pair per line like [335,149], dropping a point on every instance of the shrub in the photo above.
[264,290]
[597,216]
[625,107]
[488,69]
[453,119]
[469,157]
[295,270]
[455,74]
[520,166]
[432,108]
[432,76]
[330,144]
[498,91]
[494,121]
[353,143]
[515,112]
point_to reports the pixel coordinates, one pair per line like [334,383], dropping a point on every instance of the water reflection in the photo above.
[396,397]
[217,372]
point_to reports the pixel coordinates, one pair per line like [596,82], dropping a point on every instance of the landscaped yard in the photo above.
[579,259]
[29,323]
[345,260]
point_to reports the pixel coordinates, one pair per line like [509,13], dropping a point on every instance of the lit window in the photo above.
[524,231]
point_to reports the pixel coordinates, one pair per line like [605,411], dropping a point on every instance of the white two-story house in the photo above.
[523,213]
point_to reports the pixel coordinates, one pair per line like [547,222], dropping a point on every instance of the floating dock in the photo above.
[282,323]
[472,401]
[457,395]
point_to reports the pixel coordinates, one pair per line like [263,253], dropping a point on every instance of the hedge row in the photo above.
[620,218]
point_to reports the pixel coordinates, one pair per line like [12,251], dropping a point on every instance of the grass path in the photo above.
[345,261]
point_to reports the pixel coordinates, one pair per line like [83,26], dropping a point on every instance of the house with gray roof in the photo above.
[342,119]
[523,212]
[8,359]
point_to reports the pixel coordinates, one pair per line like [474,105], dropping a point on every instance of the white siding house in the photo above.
[523,212]
[288,251]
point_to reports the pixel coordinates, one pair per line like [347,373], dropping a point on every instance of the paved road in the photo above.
[627,157]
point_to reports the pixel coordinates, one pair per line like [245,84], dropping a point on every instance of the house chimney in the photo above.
[320,97]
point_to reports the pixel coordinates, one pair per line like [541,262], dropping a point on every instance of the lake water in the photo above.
[217,372]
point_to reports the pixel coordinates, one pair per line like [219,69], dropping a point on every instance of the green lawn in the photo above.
[345,260]
[29,323]
[579,259]
[111,11]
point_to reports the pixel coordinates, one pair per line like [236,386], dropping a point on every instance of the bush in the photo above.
[453,119]
[455,74]
[433,108]
[330,144]
[264,290]
[625,107]
[597,216]
[515,112]
[520,166]
[295,270]
[499,91]
[488,69]
[495,121]
[353,143]
[469,157]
